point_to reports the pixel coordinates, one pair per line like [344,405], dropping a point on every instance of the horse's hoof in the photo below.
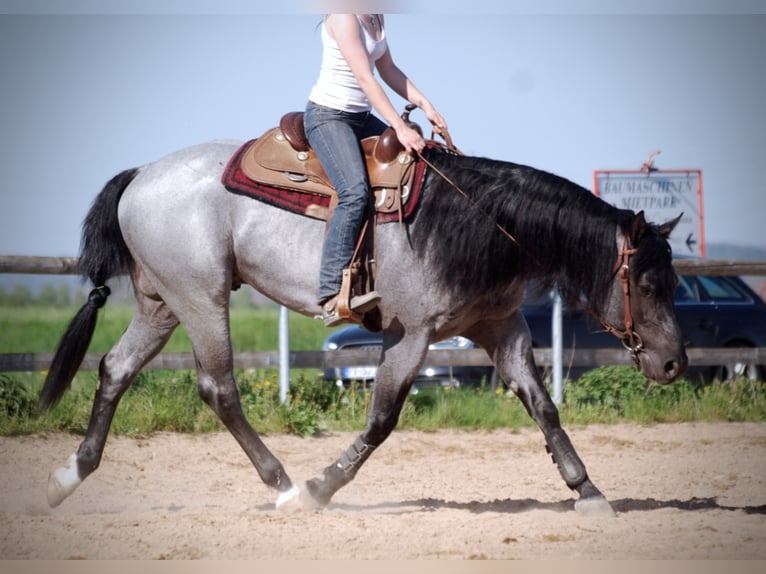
[316,490]
[596,506]
[63,482]
[297,499]
[289,500]
[309,502]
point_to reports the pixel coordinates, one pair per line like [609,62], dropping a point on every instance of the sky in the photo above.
[89,88]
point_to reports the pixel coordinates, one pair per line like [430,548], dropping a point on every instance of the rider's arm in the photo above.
[345,30]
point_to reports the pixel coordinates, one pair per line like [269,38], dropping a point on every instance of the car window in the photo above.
[718,289]
[685,292]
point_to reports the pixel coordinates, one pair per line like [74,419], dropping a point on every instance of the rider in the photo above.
[338,115]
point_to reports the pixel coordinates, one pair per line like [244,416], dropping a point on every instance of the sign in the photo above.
[662,195]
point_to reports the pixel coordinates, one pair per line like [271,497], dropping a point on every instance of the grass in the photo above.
[37,329]
[618,394]
[168,400]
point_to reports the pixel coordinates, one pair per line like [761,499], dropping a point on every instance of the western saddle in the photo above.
[282,158]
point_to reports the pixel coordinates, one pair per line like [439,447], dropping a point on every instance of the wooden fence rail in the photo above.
[39,265]
[347,357]
[68,266]
[37,362]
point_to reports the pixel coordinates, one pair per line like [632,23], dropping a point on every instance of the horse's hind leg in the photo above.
[144,338]
[208,329]
[512,354]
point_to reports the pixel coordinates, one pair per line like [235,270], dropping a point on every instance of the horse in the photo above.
[482,229]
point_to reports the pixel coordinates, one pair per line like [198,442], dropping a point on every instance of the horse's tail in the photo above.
[103,255]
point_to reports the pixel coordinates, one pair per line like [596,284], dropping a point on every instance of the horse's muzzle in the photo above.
[663,370]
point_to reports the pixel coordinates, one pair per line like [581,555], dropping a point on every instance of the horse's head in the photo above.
[640,310]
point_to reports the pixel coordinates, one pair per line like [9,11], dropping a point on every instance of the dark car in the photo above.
[354,337]
[713,311]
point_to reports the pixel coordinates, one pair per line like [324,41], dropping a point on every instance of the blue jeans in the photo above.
[334,135]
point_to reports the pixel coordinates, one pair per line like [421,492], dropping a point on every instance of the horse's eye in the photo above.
[646,290]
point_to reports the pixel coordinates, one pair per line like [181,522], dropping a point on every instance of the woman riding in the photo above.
[338,115]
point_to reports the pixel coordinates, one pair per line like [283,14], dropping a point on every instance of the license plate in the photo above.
[359,373]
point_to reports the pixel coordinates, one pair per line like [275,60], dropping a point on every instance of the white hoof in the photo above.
[297,499]
[597,506]
[289,500]
[63,482]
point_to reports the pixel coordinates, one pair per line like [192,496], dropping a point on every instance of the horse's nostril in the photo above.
[671,369]
[675,368]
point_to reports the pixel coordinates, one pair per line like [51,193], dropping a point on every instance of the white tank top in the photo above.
[337,87]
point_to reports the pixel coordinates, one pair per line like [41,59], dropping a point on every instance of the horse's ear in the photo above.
[639,227]
[667,228]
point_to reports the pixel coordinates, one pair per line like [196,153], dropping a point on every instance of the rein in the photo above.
[629,338]
[452,149]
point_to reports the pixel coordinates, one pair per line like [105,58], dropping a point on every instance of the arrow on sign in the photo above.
[690,242]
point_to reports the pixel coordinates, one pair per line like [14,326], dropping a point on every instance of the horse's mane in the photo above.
[564,233]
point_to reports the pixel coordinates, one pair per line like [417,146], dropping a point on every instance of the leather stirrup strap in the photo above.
[344,298]
[348,278]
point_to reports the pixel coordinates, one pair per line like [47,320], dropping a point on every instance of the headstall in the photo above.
[630,338]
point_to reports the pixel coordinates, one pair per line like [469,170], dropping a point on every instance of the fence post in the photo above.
[557,343]
[284,354]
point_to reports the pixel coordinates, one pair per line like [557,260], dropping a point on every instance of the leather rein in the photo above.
[629,338]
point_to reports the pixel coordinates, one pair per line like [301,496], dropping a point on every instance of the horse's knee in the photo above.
[549,415]
[539,405]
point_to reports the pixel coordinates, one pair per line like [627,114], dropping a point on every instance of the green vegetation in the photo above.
[37,329]
[614,394]
[168,400]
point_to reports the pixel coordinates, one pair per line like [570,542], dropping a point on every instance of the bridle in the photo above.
[630,338]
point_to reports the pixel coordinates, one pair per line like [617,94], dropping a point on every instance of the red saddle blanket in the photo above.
[235,180]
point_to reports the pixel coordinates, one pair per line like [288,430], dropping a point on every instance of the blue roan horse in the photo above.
[186,241]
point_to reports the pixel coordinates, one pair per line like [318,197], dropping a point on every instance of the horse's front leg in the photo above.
[511,350]
[401,360]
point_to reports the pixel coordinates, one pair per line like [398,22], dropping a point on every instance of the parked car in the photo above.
[355,337]
[713,311]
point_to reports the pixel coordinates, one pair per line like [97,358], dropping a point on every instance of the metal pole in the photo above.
[557,345]
[284,354]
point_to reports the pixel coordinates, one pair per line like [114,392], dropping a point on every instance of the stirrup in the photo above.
[364,303]
[343,308]
[330,315]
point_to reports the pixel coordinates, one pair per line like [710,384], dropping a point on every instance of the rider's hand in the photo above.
[409,138]
[436,119]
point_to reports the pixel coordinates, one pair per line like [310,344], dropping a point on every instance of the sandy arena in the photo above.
[680,491]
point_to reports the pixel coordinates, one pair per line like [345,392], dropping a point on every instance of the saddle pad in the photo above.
[303,203]
[235,180]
